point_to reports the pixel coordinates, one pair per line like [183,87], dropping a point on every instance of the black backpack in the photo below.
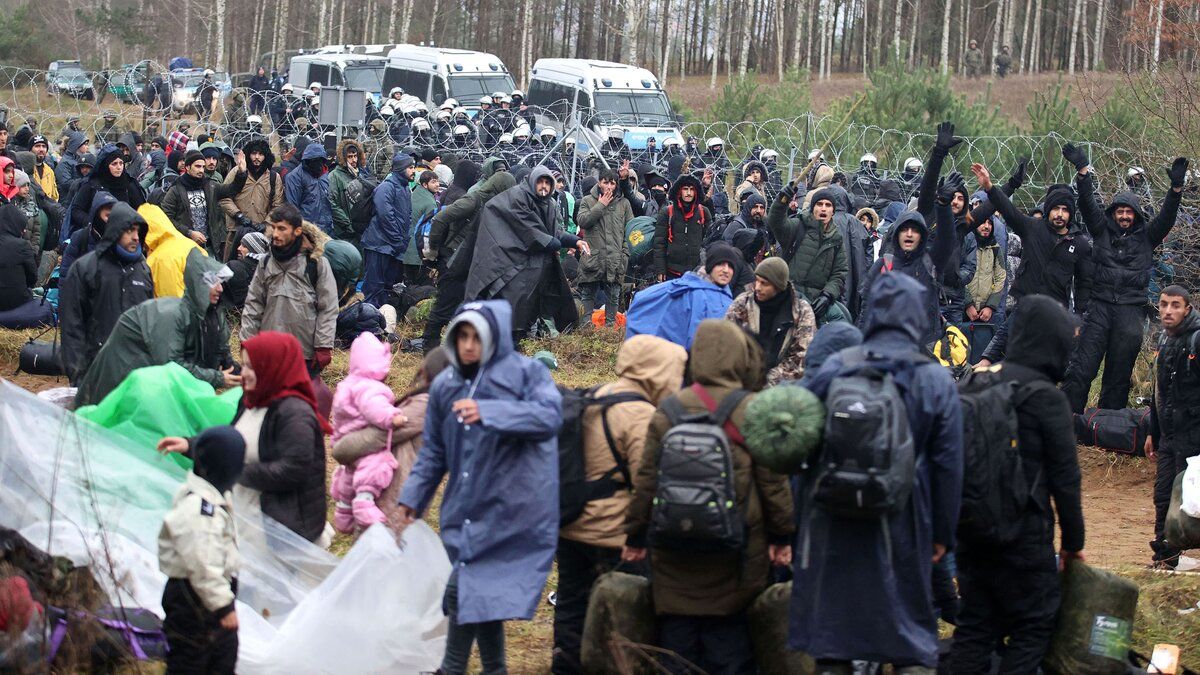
[995,488]
[575,490]
[695,506]
[868,459]
[360,193]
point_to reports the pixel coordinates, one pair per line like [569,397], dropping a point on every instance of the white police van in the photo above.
[353,71]
[601,95]
[434,74]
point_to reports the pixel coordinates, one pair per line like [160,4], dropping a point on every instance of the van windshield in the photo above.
[369,78]
[633,108]
[468,88]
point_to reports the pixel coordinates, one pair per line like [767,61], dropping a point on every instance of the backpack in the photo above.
[423,226]
[695,505]
[575,490]
[868,460]
[360,193]
[995,489]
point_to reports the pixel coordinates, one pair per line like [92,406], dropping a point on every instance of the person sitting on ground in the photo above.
[18,274]
[649,368]
[198,553]
[701,597]
[364,400]
[251,249]
[190,331]
[492,425]
[85,239]
[100,287]
[779,318]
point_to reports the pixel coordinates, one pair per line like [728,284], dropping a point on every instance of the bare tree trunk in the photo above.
[896,29]
[526,20]
[1025,51]
[1101,15]
[945,68]
[664,46]
[406,20]
[187,24]
[1036,50]
[744,55]
[1157,37]
[996,32]
[392,18]
[866,32]
[796,40]
[912,33]
[1074,36]
[716,57]
[779,39]
[219,20]
[963,35]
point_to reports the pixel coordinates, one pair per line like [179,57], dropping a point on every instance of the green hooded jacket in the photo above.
[188,331]
[452,225]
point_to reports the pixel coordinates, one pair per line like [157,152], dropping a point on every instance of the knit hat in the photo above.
[1059,197]
[718,253]
[39,139]
[256,243]
[773,270]
[219,454]
[192,156]
[20,178]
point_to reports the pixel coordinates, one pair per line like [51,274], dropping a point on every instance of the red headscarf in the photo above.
[279,369]
[9,190]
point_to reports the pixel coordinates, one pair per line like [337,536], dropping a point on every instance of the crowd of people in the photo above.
[845,285]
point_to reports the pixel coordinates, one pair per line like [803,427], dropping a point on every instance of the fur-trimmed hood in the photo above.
[315,240]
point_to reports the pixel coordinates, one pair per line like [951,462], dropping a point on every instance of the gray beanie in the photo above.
[20,178]
[774,270]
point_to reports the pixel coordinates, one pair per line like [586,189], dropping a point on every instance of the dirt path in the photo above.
[1118,507]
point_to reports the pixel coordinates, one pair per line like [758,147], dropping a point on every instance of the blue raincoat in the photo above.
[309,194]
[851,601]
[499,518]
[673,309]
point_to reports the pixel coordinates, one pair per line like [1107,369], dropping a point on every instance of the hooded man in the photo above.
[1122,258]
[1056,256]
[752,215]
[18,274]
[100,286]
[350,160]
[307,188]
[388,235]
[883,608]
[452,237]
[679,229]
[1174,398]
[781,321]
[193,203]
[190,331]
[261,194]
[813,249]
[1011,592]
[516,254]
[167,251]
[378,148]
[64,173]
[85,239]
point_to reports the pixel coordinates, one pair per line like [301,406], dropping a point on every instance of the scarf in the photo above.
[127,257]
[282,255]
[192,184]
[278,364]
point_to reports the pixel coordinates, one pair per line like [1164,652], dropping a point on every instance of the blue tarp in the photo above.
[673,309]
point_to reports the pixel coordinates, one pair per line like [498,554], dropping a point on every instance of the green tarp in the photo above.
[162,401]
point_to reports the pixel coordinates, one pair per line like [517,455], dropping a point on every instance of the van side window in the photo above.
[318,72]
[554,98]
[335,78]
[439,91]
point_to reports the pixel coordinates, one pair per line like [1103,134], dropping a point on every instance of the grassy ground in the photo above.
[1116,507]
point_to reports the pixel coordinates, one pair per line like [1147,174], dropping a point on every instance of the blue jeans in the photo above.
[462,636]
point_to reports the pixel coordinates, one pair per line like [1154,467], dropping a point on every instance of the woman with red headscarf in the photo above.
[285,445]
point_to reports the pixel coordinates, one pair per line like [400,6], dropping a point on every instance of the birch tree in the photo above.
[945,56]
[219,19]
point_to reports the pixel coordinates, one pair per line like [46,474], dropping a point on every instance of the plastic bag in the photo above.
[621,605]
[1095,623]
[380,611]
[768,621]
[1190,497]
[1181,530]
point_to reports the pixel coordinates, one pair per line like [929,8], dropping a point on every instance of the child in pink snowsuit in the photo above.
[363,402]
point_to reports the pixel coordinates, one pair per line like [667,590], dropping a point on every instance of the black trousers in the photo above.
[1172,456]
[1011,592]
[451,288]
[198,645]
[1112,334]
[717,645]
[579,565]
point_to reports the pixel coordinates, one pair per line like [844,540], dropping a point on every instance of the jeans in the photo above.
[718,645]
[462,636]
[588,292]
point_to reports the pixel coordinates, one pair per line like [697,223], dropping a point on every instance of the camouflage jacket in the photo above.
[792,346]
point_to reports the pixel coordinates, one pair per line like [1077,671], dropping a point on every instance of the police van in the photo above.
[599,96]
[434,74]
[353,71]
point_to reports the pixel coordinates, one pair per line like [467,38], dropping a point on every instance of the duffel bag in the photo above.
[1123,431]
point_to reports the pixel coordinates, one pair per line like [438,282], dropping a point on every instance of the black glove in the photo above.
[1076,156]
[788,191]
[948,186]
[553,245]
[821,304]
[946,139]
[1018,177]
[1178,172]
[243,220]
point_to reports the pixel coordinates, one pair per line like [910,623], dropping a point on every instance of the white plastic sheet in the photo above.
[380,611]
[1190,503]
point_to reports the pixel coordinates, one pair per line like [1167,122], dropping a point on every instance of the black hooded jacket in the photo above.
[922,264]
[99,287]
[1123,259]
[123,187]
[1043,335]
[1052,265]
[1175,410]
[18,269]
[679,230]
